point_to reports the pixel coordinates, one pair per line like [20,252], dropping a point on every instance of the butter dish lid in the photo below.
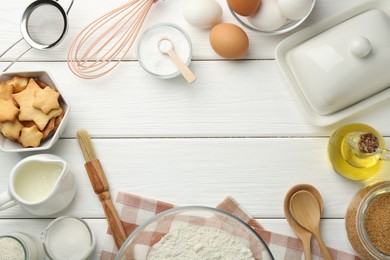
[339,66]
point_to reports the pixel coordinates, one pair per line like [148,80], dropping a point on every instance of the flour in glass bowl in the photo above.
[200,243]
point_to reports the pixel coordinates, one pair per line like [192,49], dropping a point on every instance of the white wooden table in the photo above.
[236,131]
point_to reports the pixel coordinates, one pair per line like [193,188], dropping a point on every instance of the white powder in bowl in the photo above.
[149,55]
[11,249]
[68,239]
[200,243]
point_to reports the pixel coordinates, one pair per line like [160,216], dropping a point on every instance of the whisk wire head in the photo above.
[117,30]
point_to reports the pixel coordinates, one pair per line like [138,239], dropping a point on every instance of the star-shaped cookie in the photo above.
[30,136]
[6,91]
[19,83]
[46,99]
[8,110]
[11,130]
[28,112]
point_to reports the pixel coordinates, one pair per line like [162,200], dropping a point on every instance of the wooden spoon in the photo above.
[307,212]
[301,233]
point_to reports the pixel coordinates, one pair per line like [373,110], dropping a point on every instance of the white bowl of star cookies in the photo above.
[33,112]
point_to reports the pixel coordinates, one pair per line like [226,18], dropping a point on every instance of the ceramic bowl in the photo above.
[137,246]
[8,145]
[288,26]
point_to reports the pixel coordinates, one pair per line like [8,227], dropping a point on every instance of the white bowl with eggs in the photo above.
[271,17]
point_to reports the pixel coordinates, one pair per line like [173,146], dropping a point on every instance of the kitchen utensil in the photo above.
[27,188]
[100,186]
[319,60]
[307,212]
[165,46]
[104,43]
[303,234]
[8,145]
[44,26]
[151,231]
[288,26]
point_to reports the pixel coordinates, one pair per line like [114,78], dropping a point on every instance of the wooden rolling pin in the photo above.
[100,186]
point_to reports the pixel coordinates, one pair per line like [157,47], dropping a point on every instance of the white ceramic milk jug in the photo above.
[41,184]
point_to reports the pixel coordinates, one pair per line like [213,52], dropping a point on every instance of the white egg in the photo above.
[268,17]
[202,13]
[295,9]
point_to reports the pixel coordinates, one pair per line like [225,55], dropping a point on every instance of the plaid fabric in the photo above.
[134,210]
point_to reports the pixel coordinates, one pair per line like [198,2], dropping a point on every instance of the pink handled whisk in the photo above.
[104,43]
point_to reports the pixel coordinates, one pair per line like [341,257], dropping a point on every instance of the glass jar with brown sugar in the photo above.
[368,221]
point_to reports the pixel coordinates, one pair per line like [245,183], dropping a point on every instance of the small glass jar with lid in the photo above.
[367,221]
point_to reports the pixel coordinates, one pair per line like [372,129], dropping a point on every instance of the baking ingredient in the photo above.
[35,180]
[295,9]
[268,17]
[157,63]
[229,41]
[202,13]
[355,218]
[377,222]
[68,239]
[11,249]
[165,46]
[17,245]
[346,160]
[198,243]
[244,7]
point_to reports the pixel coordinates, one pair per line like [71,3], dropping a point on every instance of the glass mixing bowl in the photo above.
[139,244]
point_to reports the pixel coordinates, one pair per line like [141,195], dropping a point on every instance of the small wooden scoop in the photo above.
[100,186]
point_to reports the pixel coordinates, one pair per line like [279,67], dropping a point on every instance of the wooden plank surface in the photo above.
[238,130]
[257,172]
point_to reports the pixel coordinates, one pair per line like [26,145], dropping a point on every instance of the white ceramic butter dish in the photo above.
[339,66]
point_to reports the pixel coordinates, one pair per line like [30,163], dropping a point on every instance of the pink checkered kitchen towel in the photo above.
[134,210]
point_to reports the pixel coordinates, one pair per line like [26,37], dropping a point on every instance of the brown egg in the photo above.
[244,7]
[229,41]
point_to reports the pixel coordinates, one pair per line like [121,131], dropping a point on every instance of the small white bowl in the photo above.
[156,63]
[68,235]
[8,145]
[288,26]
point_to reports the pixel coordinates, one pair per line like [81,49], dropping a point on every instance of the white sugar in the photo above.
[68,239]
